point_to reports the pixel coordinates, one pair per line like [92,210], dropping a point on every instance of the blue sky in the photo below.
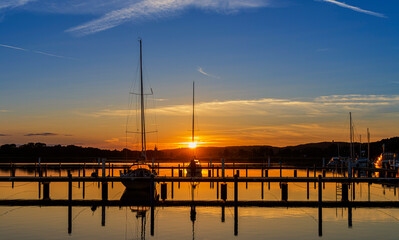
[66,68]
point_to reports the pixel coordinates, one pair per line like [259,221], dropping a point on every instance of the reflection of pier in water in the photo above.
[93,204]
[345,198]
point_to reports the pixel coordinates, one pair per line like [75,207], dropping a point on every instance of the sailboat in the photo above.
[194,168]
[139,174]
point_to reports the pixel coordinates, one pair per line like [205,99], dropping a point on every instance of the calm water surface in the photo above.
[34,222]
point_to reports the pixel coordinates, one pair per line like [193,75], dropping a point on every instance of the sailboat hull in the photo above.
[138,184]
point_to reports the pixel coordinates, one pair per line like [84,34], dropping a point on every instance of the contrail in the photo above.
[34,51]
[357,9]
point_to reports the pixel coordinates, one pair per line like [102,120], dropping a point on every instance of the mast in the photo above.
[368,144]
[360,145]
[192,130]
[143,139]
[350,135]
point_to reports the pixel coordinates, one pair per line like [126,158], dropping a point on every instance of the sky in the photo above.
[267,72]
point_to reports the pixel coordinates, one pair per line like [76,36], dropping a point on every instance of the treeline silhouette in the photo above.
[301,153]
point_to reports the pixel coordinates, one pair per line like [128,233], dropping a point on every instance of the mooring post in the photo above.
[295,173]
[324,175]
[353,191]
[223,191]
[284,191]
[46,190]
[223,213]
[345,192]
[79,176]
[369,191]
[60,169]
[104,189]
[103,215]
[69,218]
[172,183]
[69,186]
[84,183]
[236,203]
[217,171]
[112,175]
[103,167]
[320,221]
[45,170]
[350,217]
[152,191]
[164,191]
[222,167]
[281,169]
[320,191]
[217,190]
[314,174]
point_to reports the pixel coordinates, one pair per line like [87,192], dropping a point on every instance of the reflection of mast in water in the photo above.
[193,212]
[141,214]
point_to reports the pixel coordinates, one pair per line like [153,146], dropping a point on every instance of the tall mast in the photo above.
[368,144]
[192,130]
[143,140]
[350,135]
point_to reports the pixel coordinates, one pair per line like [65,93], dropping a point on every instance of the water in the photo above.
[199,222]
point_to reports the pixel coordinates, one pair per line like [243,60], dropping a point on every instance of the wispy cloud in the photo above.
[357,9]
[150,9]
[13,3]
[284,108]
[40,134]
[200,70]
[4,135]
[4,111]
[35,51]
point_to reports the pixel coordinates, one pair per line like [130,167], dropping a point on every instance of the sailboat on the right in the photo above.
[194,169]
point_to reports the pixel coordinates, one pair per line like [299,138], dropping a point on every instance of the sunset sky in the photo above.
[267,72]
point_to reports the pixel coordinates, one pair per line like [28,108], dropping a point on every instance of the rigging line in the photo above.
[77,215]
[12,195]
[397,219]
[11,210]
[130,99]
[314,219]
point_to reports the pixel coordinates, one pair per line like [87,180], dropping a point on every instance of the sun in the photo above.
[192,145]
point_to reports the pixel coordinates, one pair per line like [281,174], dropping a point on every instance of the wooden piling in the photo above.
[345,192]
[46,191]
[284,191]
[236,203]
[223,191]
[164,191]
[69,186]
[104,190]
[314,174]
[320,190]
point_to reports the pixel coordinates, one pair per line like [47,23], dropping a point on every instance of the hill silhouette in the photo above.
[311,152]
